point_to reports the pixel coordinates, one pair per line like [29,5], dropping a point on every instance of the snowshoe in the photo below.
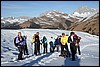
[61,55]
[66,53]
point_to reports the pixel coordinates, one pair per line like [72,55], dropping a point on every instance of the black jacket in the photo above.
[69,39]
[74,39]
[72,43]
[37,39]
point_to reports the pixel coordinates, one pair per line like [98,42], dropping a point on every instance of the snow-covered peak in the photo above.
[55,11]
[52,13]
[84,11]
[91,16]
[82,14]
[13,19]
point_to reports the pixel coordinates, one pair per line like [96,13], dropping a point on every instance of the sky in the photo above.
[35,8]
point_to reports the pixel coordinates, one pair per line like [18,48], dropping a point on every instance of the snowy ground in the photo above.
[89,49]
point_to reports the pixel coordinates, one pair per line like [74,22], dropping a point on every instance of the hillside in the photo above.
[89,24]
[52,20]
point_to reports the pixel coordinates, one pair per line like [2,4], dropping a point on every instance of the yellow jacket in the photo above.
[33,39]
[64,40]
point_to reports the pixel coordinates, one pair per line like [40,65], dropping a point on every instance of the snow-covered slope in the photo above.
[89,48]
[91,17]
[88,24]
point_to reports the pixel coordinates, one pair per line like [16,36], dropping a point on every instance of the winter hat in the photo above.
[75,35]
[72,33]
[63,33]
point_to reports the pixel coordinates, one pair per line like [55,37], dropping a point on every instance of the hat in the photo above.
[63,33]
[72,33]
[75,35]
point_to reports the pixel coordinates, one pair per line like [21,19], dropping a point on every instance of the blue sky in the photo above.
[35,8]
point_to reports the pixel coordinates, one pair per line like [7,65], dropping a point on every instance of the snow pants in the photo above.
[79,52]
[21,49]
[25,50]
[66,47]
[73,50]
[45,47]
[37,49]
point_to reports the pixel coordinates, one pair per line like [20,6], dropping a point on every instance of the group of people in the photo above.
[60,41]
[74,40]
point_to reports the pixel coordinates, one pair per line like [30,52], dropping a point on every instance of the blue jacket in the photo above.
[24,41]
[57,42]
[52,45]
[45,40]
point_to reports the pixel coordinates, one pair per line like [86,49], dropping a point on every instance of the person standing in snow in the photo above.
[64,41]
[58,43]
[72,41]
[45,44]
[77,40]
[33,44]
[20,42]
[37,44]
[52,45]
[25,46]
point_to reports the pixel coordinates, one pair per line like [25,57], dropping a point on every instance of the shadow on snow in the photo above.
[36,61]
[69,62]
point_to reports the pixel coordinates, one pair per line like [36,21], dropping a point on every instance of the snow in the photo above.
[13,20]
[91,15]
[66,17]
[54,13]
[82,14]
[89,48]
[43,23]
[49,15]
[57,15]
[72,16]
[55,19]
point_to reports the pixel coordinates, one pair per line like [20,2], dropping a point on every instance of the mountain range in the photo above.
[83,19]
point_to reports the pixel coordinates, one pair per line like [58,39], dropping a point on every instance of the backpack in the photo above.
[45,40]
[79,38]
[15,42]
[33,40]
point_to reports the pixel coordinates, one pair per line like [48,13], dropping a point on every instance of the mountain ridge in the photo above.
[57,20]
